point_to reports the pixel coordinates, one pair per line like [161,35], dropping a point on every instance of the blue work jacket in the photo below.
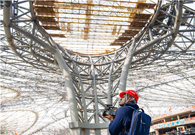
[122,119]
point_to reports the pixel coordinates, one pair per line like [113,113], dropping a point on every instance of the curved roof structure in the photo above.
[33,94]
[93,27]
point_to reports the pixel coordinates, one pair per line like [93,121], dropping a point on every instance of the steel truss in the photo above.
[92,81]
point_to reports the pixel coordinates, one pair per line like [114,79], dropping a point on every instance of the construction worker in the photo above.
[121,123]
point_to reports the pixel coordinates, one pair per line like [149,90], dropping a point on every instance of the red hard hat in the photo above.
[130,92]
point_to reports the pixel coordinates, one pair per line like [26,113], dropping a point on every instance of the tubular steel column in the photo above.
[125,69]
[70,92]
[84,131]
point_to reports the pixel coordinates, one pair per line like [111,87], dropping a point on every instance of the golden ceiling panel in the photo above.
[99,26]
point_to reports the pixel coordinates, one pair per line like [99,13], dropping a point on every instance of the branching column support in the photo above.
[78,130]
[57,55]
[84,131]
[125,69]
[70,91]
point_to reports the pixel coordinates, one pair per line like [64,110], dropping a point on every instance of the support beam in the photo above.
[70,91]
[125,69]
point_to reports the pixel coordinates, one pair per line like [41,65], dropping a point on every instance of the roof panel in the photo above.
[87,20]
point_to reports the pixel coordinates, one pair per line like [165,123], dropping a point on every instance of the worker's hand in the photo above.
[110,117]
